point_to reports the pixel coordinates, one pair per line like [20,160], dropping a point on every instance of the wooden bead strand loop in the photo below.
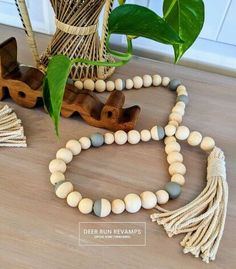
[136,82]
[203,219]
[132,202]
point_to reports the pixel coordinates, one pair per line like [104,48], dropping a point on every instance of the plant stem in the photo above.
[123,57]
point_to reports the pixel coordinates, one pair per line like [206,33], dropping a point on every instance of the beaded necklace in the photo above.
[203,219]
[132,202]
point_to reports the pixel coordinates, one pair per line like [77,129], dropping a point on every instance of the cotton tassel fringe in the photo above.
[11,130]
[203,219]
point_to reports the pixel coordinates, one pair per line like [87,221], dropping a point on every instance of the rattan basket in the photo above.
[76,35]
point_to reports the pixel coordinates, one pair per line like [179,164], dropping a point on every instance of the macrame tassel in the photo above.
[11,130]
[203,219]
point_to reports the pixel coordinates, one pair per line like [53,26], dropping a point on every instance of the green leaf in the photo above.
[54,86]
[186,17]
[121,2]
[135,20]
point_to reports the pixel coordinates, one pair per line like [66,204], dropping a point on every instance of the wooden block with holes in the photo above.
[24,85]
[110,115]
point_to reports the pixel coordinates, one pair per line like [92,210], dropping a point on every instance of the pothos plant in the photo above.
[180,25]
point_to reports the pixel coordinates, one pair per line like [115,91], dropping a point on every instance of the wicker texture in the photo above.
[24,16]
[77,36]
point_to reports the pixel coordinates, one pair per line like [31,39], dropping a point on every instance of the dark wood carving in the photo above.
[24,85]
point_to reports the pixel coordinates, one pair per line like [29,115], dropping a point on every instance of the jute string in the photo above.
[203,219]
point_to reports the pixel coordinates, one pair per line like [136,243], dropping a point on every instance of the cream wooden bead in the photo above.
[177,178]
[138,82]
[56,177]
[118,206]
[156,80]
[165,81]
[162,197]
[178,109]
[89,84]
[74,198]
[85,206]
[133,137]
[120,137]
[119,84]
[173,146]
[174,157]
[207,143]
[65,155]
[176,117]
[110,86]
[194,138]
[132,203]
[129,84]
[177,168]
[180,104]
[102,208]
[169,139]
[145,135]
[57,165]
[173,122]
[100,85]
[74,146]
[147,80]
[182,133]
[85,142]
[63,188]
[109,138]
[181,90]
[148,199]
[170,130]
[157,132]
[79,85]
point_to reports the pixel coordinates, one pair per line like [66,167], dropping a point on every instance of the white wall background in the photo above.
[215,48]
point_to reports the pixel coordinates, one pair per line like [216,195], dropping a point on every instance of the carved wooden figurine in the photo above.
[24,85]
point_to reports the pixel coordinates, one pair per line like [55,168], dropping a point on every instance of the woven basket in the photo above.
[76,35]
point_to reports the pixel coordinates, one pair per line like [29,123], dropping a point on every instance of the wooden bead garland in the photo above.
[132,202]
[203,219]
[136,82]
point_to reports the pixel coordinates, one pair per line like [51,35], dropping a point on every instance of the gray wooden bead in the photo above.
[161,132]
[97,207]
[157,132]
[173,189]
[119,84]
[59,183]
[174,83]
[63,188]
[102,207]
[182,98]
[97,140]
